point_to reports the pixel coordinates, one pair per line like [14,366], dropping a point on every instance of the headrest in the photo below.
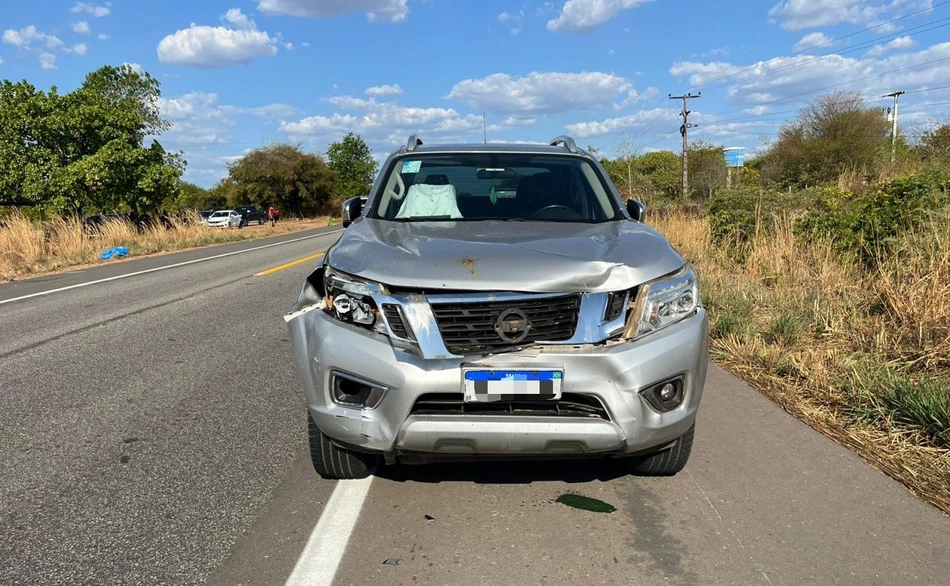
[437,180]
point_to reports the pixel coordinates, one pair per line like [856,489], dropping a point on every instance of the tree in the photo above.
[834,134]
[934,145]
[284,176]
[354,165]
[664,170]
[707,169]
[86,149]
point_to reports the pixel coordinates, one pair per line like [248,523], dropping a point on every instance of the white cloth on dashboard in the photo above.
[430,200]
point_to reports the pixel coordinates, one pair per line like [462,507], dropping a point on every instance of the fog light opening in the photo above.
[350,391]
[665,396]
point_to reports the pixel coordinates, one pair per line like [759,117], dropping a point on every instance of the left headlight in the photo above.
[350,300]
[665,301]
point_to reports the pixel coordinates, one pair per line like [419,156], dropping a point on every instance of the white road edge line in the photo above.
[320,559]
[172,266]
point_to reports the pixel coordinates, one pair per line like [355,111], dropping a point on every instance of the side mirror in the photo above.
[352,209]
[636,209]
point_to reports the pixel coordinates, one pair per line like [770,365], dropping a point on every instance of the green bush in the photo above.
[871,223]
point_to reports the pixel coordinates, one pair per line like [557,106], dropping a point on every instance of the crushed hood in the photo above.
[504,256]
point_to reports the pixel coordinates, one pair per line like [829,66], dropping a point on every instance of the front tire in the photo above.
[668,462]
[333,462]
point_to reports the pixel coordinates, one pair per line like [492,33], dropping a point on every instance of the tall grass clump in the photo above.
[29,246]
[853,339]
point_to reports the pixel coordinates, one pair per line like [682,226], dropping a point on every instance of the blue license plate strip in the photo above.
[511,385]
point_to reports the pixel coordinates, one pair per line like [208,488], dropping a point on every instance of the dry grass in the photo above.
[29,248]
[863,357]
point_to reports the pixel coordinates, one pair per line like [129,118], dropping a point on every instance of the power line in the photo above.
[815,58]
[866,77]
[832,41]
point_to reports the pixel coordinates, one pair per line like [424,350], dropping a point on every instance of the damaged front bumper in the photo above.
[609,380]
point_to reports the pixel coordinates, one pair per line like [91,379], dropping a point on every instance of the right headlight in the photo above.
[665,301]
[349,299]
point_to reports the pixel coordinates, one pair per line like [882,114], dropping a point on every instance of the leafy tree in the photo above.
[707,169]
[664,170]
[934,145]
[86,149]
[354,165]
[284,176]
[835,134]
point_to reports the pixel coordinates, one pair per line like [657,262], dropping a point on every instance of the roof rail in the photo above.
[567,141]
[414,141]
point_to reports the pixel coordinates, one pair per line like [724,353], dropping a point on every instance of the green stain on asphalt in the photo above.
[585,503]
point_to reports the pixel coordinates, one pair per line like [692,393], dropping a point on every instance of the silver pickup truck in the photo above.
[498,301]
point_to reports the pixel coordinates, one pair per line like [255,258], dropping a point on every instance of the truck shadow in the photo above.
[485,471]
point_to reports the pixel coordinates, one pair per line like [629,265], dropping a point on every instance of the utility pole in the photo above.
[894,95]
[684,130]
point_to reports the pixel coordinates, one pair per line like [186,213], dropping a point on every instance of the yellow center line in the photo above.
[288,265]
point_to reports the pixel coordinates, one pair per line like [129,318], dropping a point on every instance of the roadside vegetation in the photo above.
[68,158]
[826,274]
[29,247]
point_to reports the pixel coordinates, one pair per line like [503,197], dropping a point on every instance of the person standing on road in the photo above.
[272,216]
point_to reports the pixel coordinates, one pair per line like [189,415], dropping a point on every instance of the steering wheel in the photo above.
[556,207]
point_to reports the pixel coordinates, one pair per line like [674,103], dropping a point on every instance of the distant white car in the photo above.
[225,219]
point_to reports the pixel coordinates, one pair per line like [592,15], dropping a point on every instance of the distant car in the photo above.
[205,214]
[251,214]
[225,219]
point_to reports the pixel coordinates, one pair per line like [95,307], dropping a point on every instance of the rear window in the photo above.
[494,186]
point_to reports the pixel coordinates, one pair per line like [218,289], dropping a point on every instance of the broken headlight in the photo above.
[665,301]
[350,300]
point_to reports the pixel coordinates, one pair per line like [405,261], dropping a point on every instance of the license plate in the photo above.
[510,385]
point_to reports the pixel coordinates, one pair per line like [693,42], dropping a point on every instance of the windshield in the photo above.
[219,214]
[494,186]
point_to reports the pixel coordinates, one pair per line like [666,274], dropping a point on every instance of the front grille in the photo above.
[470,327]
[396,323]
[569,405]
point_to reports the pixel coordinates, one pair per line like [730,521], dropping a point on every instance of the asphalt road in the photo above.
[153,432]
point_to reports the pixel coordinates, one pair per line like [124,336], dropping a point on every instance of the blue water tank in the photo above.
[735,156]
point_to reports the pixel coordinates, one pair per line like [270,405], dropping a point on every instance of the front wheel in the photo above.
[333,462]
[669,461]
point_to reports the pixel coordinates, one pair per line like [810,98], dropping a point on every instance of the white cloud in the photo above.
[384,124]
[514,22]
[81,27]
[551,92]
[628,123]
[28,35]
[895,45]
[812,40]
[80,49]
[376,10]
[580,16]
[218,46]
[48,61]
[804,14]
[801,78]
[384,90]
[94,10]
[103,37]
[134,66]
[1,61]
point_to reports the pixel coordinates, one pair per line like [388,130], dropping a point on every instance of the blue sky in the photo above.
[239,74]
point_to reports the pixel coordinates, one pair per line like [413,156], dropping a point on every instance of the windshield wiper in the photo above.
[426,219]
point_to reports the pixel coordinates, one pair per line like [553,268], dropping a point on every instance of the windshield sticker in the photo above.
[411,166]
